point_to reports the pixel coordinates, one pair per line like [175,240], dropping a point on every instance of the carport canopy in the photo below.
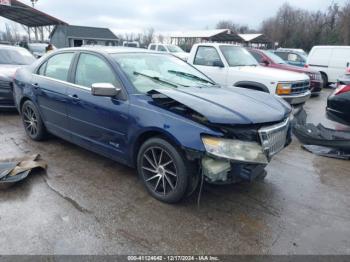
[23,14]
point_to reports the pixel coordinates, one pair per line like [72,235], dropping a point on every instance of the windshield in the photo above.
[16,57]
[38,48]
[155,71]
[275,58]
[237,56]
[174,49]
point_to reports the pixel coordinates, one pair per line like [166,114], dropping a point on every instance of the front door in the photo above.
[50,85]
[208,61]
[97,123]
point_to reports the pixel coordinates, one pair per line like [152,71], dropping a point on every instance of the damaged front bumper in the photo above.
[223,171]
[230,161]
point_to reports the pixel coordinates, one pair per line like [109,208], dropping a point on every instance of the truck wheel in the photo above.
[163,170]
[325,80]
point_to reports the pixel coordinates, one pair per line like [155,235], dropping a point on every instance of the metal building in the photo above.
[75,36]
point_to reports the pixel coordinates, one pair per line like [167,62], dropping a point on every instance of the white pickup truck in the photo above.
[233,66]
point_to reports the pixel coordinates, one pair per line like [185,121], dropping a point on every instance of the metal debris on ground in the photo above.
[327,152]
[321,140]
[15,170]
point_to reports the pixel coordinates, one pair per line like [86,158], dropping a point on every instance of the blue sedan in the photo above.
[154,112]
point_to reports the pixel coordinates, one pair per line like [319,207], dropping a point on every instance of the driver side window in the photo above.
[161,48]
[293,58]
[91,70]
[206,56]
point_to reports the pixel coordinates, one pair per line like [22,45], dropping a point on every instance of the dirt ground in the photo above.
[87,204]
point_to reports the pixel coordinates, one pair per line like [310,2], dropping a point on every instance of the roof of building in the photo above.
[249,37]
[26,15]
[256,38]
[74,31]
[200,33]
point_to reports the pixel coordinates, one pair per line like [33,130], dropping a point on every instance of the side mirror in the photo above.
[218,63]
[104,89]
[265,62]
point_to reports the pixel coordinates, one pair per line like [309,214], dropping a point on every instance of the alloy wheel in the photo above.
[30,121]
[159,170]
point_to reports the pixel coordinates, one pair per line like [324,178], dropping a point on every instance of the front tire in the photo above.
[32,121]
[163,170]
[325,80]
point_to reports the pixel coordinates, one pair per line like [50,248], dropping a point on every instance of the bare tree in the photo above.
[12,33]
[148,37]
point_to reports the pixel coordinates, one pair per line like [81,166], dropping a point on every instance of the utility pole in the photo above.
[35,29]
[33,2]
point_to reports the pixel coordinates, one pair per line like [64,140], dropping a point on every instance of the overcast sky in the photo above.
[168,15]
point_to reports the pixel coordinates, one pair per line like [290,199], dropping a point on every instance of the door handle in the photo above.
[35,85]
[75,98]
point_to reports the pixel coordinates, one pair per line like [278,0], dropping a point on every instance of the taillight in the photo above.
[306,66]
[342,89]
[348,70]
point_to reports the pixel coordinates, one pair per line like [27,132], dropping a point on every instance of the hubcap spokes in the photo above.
[30,121]
[159,170]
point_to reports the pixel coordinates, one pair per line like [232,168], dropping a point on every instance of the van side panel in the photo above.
[319,57]
[338,63]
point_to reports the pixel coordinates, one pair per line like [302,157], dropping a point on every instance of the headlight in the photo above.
[235,150]
[284,89]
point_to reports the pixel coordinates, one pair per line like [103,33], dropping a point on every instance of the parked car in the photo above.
[331,61]
[338,105]
[155,112]
[298,50]
[292,56]
[269,59]
[11,58]
[134,44]
[172,49]
[234,66]
[38,49]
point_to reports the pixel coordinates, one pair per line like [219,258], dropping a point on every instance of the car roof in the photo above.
[110,49]
[217,44]
[11,47]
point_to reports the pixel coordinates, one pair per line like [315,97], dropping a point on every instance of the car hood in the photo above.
[8,71]
[232,106]
[182,55]
[272,73]
[297,69]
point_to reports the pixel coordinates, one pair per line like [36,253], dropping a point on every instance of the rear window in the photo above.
[16,57]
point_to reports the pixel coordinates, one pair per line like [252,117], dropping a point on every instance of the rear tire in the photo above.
[163,170]
[32,121]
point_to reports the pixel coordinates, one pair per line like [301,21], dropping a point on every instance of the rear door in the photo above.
[97,123]
[206,59]
[338,63]
[319,59]
[50,86]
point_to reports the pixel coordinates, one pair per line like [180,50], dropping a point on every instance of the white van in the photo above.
[331,61]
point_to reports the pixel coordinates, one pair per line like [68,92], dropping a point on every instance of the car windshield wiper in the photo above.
[190,76]
[157,79]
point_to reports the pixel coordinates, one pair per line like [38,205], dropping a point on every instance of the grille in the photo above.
[5,84]
[273,138]
[315,76]
[300,87]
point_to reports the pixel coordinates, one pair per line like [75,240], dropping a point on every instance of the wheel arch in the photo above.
[150,133]
[22,101]
[252,85]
